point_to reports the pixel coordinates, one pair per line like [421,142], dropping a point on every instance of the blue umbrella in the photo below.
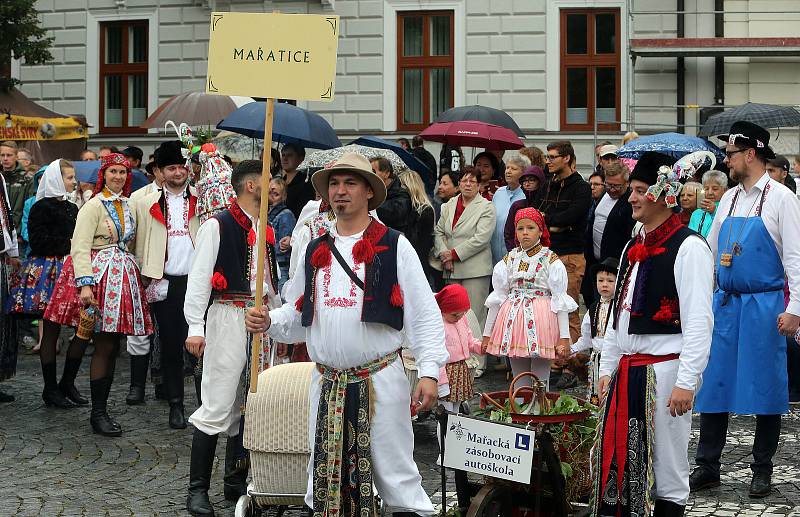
[290,125]
[86,172]
[409,159]
[676,145]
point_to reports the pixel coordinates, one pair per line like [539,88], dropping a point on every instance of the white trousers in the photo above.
[224,360]
[138,345]
[396,476]
[670,440]
[536,365]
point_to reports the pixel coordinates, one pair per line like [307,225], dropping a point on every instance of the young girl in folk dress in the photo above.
[455,377]
[50,226]
[101,272]
[529,307]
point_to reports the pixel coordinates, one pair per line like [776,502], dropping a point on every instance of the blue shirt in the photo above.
[701,220]
[502,201]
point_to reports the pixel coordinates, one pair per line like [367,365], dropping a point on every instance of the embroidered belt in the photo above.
[615,432]
[240,301]
[338,379]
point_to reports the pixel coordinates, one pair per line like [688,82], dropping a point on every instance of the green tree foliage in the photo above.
[21,37]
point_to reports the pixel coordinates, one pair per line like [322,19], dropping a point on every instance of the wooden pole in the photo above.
[261,248]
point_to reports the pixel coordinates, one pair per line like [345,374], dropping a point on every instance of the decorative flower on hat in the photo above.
[669,178]
[184,133]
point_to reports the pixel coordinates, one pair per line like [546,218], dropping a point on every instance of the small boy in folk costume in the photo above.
[529,307]
[654,353]
[595,321]
[223,271]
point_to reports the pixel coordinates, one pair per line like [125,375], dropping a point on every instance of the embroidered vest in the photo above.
[594,317]
[381,304]
[655,305]
[233,258]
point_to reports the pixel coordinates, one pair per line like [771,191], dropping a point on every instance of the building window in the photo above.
[425,41]
[123,76]
[590,69]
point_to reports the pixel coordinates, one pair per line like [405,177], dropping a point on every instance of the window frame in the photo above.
[124,70]
[590,61]
[426,62]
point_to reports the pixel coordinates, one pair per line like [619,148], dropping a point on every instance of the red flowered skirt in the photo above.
[118,290]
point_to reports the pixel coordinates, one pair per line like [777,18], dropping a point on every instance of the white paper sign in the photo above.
[489,448]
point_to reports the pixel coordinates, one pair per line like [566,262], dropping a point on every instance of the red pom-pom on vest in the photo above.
[251,237]
[270,236]
[219,282]
[322,256]
[363,252]
[397,296]
[298,305]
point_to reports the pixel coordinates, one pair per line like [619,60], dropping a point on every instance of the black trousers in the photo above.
[714,430]
[172,332]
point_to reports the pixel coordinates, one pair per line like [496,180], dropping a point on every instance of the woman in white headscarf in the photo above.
[50,226]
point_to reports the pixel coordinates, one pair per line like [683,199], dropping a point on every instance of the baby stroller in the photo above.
[276,434]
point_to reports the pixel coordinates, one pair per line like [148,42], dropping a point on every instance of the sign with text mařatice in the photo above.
[281,56]
[489,448]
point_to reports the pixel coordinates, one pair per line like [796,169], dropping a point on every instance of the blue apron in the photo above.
[746,372]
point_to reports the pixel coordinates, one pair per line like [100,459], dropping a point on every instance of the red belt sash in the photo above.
[615,432]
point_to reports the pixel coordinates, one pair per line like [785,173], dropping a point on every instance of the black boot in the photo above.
[159,392]
[67,384]
[101,422]
[202,462]
[51,394]
[177,420]
[236,466]
[139,365]
[663,508]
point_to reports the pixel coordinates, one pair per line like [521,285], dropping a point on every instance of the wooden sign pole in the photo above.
[261,245]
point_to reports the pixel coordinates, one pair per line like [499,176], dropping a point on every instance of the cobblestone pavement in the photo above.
[52,465]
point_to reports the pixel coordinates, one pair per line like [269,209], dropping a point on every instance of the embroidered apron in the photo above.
[746,371]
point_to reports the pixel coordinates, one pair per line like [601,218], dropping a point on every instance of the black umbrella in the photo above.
[481,114]
[765,115]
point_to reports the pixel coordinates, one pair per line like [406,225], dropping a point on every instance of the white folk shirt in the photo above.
[781,216]
[338,338]
[179,242]
[604,208]
[198,288]
[694,279]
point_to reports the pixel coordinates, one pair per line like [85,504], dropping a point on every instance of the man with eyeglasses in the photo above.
[610,224]
[565,200]
[755,239]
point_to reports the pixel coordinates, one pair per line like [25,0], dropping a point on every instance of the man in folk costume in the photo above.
[223,271]
[346,301]
[9,257]
[654,354]
[164,246]
[756,242]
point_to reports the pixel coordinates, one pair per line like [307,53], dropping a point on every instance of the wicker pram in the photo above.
[276,434]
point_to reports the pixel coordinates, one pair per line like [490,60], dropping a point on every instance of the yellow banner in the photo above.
[282,56]
[18,127]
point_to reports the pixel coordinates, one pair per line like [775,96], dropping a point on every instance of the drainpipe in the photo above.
[680,76]
[719,61]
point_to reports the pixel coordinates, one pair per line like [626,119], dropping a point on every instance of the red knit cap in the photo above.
[538,218]
[453,298]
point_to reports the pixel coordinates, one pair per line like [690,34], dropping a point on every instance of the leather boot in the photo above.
[236,466]
[51,395]
[663,508]
[67,384]
[202,462]
[139,365]
[101,422]
[114,423]
[177,419]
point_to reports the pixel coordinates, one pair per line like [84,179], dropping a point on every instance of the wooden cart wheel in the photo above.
[490,501]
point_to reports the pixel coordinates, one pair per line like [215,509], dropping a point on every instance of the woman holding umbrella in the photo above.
[108,282]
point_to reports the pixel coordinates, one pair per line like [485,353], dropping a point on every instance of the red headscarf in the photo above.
[538,218]
[453,298]
[106,162]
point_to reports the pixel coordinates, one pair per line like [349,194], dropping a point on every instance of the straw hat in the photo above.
[356,164]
